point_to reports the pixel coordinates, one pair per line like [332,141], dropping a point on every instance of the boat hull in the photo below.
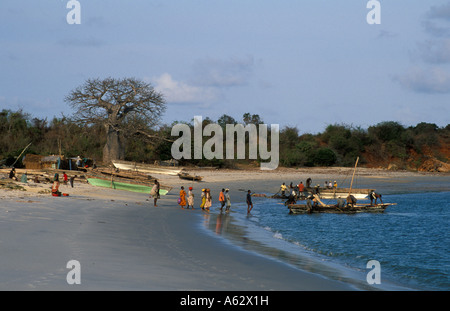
[357,208]
[190,177]
[145,168]
[123,186]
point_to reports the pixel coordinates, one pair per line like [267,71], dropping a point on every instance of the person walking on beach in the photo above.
[228,200]
[222,199]
[203,197]
[190,200]
[71,179]
[208,199]
[182,199]
[249,202]
[155,192]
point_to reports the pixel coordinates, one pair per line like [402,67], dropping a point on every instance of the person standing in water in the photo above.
[202,205]
[249,202]
[190,200]
[182,199]
[228,200]
[222,199]
[208,199]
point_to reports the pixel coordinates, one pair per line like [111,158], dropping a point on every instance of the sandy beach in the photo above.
[123,242]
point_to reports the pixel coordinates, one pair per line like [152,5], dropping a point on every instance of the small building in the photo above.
[37,162]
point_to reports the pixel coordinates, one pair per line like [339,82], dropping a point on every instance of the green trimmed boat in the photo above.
[124,184]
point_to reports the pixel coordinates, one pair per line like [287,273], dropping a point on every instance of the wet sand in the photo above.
[123,242]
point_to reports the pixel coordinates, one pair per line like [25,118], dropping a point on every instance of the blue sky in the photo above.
[295,63]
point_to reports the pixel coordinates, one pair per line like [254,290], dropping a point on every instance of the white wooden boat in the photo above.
[146,168]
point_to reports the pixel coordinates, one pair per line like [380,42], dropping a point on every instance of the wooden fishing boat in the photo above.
[278,196]
[185,175]
[334,209]
[328,193]
[335,193]
[146,168]
[341,207]
[112,181]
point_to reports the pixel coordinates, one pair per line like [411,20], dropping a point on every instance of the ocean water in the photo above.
[410,240]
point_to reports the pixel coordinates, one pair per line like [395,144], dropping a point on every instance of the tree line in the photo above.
[336,145]
[121,119]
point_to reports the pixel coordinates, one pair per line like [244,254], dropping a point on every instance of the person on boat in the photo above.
[309,202]
[340,202]
[203,196]
[308,183]
[291,199]
[315,201]
[330,185]
[317,189]
[283,189]
[335,185]
[228,200]
[190,200]
[208,199]
[325,184]
[222,199]
[293,194]
[351,201]
[182,199]
[249,202]
[375,196]
[301,188]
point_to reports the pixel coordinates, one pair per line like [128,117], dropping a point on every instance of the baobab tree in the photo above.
[123,106]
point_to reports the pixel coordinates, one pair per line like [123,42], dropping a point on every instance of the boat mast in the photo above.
[354,171]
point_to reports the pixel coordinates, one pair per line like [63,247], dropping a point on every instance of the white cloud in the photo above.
[181,92]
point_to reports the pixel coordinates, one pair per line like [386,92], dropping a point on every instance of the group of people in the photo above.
[296,191]
[186,200]
[206,199]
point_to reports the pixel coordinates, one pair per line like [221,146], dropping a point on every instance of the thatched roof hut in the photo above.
[37,162]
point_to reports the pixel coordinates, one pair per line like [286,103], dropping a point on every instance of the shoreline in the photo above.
[124,243]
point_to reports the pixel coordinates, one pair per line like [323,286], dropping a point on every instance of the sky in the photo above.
[302,63]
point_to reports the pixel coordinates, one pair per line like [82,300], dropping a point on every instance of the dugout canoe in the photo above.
[334,209]
[119,183]
[146,168]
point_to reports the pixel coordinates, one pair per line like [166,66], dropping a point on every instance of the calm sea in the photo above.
[410,240]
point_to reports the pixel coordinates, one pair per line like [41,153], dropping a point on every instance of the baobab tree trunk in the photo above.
[114,148]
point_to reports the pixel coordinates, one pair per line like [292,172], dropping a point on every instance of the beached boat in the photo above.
[185,175]
[146,168]
[128,184]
